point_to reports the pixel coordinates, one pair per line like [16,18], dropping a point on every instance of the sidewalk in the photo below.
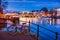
[14,36]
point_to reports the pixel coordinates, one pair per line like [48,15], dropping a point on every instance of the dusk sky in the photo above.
[29,5]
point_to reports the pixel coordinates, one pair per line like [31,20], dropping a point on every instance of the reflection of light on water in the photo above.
[22,19]
[58,21]
[44,21]
[58,26]
[50,21]
[34,20]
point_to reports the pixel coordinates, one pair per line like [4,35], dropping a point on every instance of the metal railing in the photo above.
[38,30]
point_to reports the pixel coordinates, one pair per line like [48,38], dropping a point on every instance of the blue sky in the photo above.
[28,5]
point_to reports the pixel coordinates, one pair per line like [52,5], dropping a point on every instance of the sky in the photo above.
[29,5]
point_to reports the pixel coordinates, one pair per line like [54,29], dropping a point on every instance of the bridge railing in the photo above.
[38,27]
[38,30]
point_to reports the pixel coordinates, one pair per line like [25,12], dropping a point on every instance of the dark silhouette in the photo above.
[3,6]
[33,11]
[44,9]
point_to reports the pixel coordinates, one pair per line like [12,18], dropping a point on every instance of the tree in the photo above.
[33,11]
[44,9]
[37,10]
[3,5]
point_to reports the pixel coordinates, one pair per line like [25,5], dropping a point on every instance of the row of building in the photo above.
[52,14]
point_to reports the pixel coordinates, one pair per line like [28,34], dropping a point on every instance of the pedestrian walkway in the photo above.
[15,36]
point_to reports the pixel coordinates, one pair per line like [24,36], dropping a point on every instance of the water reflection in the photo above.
[46,20]
[34,20]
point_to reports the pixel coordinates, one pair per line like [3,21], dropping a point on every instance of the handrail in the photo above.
[44,28]
[45,34]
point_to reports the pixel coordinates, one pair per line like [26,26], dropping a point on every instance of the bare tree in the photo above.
[3,5]
[44,9]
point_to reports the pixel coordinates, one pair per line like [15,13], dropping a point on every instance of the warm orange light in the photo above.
[28,19]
